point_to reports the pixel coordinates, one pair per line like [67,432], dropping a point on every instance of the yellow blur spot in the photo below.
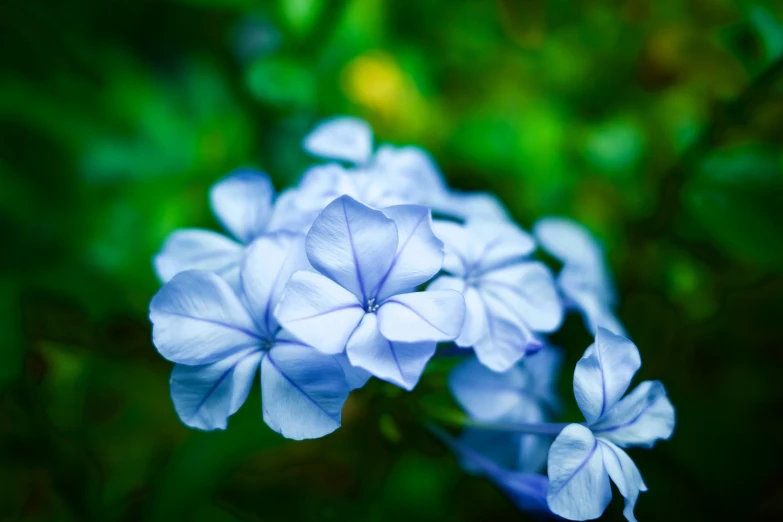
[376,81]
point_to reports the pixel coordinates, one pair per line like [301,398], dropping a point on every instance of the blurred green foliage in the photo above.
[658,124]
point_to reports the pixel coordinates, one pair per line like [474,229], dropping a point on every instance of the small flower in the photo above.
[508,296]
[584,279]
[524,394]
[242,202]
[219,341]
[362,299]
[584,457]
[408,172]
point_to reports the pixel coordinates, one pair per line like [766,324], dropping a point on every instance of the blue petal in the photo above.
[302,391]
[268,265]
[583,295]
[475,325]
[344,138]
[572,244]
[197,319]
[356,377]
[353,245]
[195,249]
[624,474]
[506,340]
[413,170]
[528,291]
[498,244]
[472,206]
[242,201]
[318,311]
[204,396]
[643,417]
[579,486]
[604,373]
[422,316]
[419,253]
[458,247]
[482,245]
[486,395]
[395,362]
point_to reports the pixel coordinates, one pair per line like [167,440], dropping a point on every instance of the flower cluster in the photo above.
[360,271]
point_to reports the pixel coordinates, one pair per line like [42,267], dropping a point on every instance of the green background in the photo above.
[657,124]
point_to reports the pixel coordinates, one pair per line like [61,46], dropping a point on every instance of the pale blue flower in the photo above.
[584,279]
[219,340]
[585,456]
[509,298]
[407,173]
[243,203]
[363,300]
[524,394]
[343,138]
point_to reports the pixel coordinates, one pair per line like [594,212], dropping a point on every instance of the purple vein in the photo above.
[603,380]
[399,253]
[268,307]
[394,356]
[578,469]
[419,315]
[218,323]
[626,424]
[359,278]
[220,380]
[296,386]
[327,312]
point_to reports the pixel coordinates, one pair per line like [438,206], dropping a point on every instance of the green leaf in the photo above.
[281,81]
[737,195]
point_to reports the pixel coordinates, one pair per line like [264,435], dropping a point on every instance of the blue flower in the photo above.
[362,299]
[524,394]
[407,172]
[242,202]
[508,297]
[584,279]
[219,340]
[585,456]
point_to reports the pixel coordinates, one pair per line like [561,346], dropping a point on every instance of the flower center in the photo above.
[267,344]
[371,305]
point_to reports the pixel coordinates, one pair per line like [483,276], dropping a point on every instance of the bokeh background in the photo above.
[657,124]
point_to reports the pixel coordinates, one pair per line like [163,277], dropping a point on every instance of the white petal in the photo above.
[395,362]
[624,474]
[204,396]
[578,483]
[197,319]
[302,391]
[353,245]
[422,316]
[318,311]
[529,292]
[242,201]
[419,253]
[475,326]
[344,138]
[641,418]
[268,265]
[506,340]
[196,249]
[604,373]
